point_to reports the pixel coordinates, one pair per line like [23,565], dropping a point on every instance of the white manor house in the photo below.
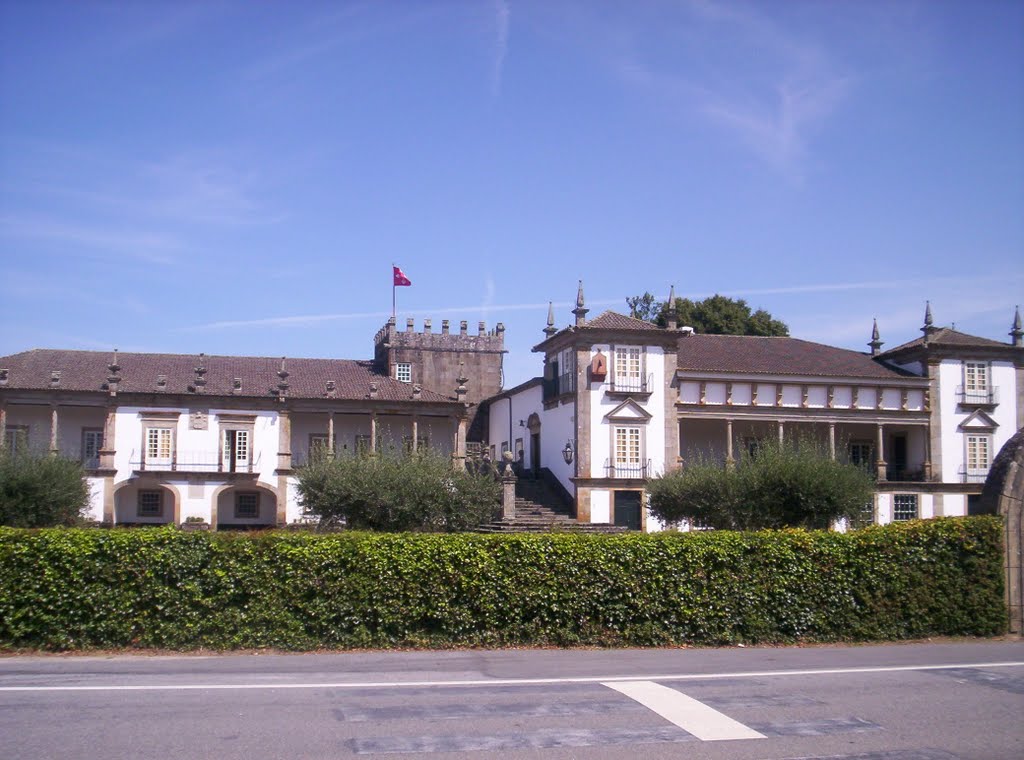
[168,437]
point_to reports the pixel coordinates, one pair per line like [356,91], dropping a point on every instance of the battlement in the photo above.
[482,341]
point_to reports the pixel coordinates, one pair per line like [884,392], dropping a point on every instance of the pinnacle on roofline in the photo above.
[672,318]
[1017,332]
[580,311]
[876,342]
[550,329]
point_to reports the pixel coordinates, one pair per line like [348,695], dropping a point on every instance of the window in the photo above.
[421,443]
[751,447]
[865,517]
[504,448]
[403,372]
[318,444]
[159,446]
[975,377]
[627,451]
[16,438]
[151,503]
[978,448]
[904,506]
[362,444]
[520,454]
[237,446]
[566,370]
[92,442]
[627,368]
[860,454]
[247,505]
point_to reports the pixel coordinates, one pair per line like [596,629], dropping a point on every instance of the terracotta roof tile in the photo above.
[744,354]
[612,320]
[946,336]
[307,378]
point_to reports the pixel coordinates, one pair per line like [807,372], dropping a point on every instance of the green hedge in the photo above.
[74,589]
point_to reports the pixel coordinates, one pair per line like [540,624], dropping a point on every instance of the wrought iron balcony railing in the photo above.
[976,396]
[973,474]
[192,461]
[639,469]
[625,384]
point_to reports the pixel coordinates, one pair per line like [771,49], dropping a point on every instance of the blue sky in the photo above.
[235,177]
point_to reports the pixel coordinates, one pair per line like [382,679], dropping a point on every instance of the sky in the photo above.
[238,178]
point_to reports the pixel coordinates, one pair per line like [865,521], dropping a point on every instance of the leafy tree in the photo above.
[791,484]
[715,315]
[388,492]
[39,490]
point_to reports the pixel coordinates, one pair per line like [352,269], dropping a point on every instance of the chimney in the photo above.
[481,329]
[463,327]
[409,325]
[427,326]
[444,326]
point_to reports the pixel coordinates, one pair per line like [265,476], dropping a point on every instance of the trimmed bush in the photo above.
[39,490]
[75,589]
[795,484]
[415,492]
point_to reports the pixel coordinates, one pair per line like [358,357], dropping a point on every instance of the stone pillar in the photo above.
[54,448]
[373,433]
[330,432]
[508,494]
[730,461]
[416,431]
[880,459]
[781,432]
[107,454]
[927,454]
[459,443]
[832,441]
[284,465]
[3,423]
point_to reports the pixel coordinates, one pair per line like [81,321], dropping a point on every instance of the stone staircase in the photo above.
[540,510]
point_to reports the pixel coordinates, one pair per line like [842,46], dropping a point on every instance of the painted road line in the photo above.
[511,681]
[691,715]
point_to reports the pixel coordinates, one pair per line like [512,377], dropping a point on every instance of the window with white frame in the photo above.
[247,505]
[628,451]
[628,368]
[92,442]
[151,503]
[979,451]
[16,438]
[237,449]
[159,446]
[904,506]
[975,377]
[567,370]
[403,372]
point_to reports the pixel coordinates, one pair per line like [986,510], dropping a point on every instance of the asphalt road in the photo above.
[902,702]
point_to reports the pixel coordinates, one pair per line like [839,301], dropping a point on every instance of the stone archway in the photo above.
[129,498]
[1004,495]
[226,503]
[533,425]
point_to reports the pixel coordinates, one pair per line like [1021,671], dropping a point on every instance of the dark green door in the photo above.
[627,509]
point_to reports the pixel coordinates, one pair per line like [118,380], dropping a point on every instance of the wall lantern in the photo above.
[567,452]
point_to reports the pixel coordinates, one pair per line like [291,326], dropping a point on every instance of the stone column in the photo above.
[415,432]
[330,432]
[781,432]
[3,423]
[284,464]
[880,459]
[927,454]
[459,443]
[107,454]
[832,440]
[54,448]
[508,494]
[729,460]
[373,433]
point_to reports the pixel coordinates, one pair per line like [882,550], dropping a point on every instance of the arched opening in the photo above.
[146,501]
[533,425]
[244,507]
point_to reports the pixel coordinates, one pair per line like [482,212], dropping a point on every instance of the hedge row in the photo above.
[74,589]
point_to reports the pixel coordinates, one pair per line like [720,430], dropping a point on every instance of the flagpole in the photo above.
[394,290]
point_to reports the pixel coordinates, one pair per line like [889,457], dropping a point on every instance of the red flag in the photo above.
[400,278]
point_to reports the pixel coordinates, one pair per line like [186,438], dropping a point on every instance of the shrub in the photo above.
[39,490]
[416,492]
[74,589]
[792,484]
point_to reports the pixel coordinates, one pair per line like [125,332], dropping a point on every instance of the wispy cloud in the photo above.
[502,14]
[103,242]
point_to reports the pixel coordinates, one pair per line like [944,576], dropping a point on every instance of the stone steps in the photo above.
[538,510]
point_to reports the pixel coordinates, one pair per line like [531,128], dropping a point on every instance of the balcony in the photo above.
[192,461]
[642,385]
[973,474]
[977,396]
[558,386]
[903,475]
[627,470]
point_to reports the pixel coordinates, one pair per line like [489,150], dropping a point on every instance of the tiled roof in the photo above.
[946,336]
[744,354]
[612,320]
[307,378]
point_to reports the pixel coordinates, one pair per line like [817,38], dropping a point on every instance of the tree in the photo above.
[387,492]
[39,490]
[715,315]
[795,484]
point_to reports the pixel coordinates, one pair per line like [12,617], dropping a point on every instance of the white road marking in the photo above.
[512,681]
[691,715]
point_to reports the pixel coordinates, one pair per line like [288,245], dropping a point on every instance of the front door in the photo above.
[535,453]
[627,509]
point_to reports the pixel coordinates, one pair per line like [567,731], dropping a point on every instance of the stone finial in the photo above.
[550,329]
[580,311]
[373,390]
[428,326]
[200,381]
[416,392]
[161,382]
[460,390]
[114,367]
[282,384]
[463,327]
[331,387]
[929,323]
[1017,332]
[876,342]
[236,385]
[444,326]
[671,317]
[4,376]
[410,325]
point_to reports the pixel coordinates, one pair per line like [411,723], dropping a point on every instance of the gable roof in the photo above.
[752,354]
[612,320]
[307,378]
[948,337]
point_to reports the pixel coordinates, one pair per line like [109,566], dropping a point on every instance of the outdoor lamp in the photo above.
[567,452]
